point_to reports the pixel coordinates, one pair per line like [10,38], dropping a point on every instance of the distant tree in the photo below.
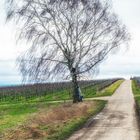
[68,38]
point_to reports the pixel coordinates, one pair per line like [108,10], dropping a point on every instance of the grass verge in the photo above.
[57,123]
[136,92]
[15,114]
[108,91]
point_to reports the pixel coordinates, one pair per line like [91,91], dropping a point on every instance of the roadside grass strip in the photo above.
[56,123]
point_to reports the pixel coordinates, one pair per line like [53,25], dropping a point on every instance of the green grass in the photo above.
[108,91]
[12,115]
[15,114]
[135,88]
[136,92]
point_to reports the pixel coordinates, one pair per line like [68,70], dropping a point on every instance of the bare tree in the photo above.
[69,37]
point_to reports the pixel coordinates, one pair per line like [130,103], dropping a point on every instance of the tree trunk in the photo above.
[75,88]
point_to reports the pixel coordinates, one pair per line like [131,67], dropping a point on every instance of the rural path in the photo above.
[117,121]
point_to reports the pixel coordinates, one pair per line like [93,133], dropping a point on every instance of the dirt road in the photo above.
[116,122]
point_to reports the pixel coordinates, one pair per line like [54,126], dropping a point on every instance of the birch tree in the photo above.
[68,38]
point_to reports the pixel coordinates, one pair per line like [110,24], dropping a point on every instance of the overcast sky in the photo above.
[125,63]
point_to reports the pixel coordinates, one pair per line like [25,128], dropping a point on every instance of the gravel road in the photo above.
[117,121]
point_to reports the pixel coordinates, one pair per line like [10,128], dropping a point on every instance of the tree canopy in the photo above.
[68,37]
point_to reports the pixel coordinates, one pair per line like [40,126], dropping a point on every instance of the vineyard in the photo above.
[52,91]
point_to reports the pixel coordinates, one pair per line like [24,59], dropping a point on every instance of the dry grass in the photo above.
[63,113]
[47,122]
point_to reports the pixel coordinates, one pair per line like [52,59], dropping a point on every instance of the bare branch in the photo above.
[68,37]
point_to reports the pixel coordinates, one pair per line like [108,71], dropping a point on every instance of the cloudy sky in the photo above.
[125,63]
